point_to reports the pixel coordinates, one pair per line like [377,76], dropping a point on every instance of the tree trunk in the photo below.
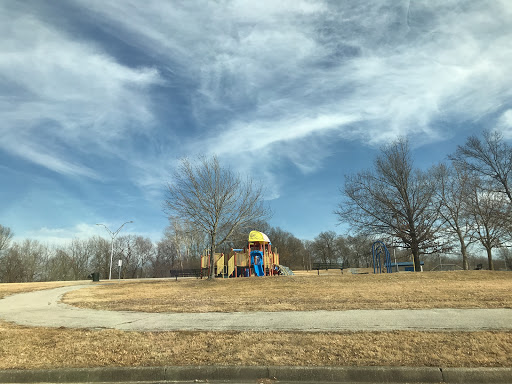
[465,263]
[416,258]
[463,250]
[489,258]
[212,258]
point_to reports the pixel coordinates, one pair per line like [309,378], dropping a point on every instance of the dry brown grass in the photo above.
[7,289]
[43,348]
[469,289]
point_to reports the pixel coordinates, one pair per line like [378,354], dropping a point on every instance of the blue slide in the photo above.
[258,270]
[257,262]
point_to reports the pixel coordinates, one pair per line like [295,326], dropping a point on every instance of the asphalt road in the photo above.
[42,308]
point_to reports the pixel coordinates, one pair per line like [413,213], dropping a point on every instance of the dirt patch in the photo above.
[465,289]
[45,348]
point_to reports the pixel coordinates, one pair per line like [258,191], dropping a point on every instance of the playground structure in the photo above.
[256,259]
[380,252]
[381,257]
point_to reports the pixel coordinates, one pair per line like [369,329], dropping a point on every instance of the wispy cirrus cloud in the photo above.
[64,99]
[268,74]
[261,83]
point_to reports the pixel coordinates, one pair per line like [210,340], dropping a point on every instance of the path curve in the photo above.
[42,308]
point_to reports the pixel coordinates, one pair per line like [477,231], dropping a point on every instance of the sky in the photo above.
[99,100]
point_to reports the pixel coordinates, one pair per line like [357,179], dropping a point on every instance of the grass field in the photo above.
[470,289]
[41,348]
[31,348]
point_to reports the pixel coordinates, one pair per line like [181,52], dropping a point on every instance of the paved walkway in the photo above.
[42,308]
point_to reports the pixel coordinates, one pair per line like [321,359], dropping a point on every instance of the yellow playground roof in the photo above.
[258,236]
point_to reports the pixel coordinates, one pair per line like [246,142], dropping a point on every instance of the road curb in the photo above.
[247,373]
[477,375]
[358,374]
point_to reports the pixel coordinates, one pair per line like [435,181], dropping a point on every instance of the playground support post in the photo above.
[249,253]
[209,262]
[270,260]
[262,250]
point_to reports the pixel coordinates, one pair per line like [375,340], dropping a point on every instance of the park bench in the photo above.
[326,266]
[190,272]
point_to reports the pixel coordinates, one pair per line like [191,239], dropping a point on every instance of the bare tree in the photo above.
[491,212]
[490,158]
[453,193]
[291,249]
[164,258]
[394,199]
[5,237]
[325,247]
[145,251]
[48,255]
[506,255]
[125,253]
[359,250]
[22,262]
[214,199]
[79,253]
[136,253]
[5,258]
[294,253]
[11,265]
[59,266]
[307,255]
[178,233]
[100,255]
[188,241]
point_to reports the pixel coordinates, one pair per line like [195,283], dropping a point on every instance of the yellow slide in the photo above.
[231,265]
[220,265]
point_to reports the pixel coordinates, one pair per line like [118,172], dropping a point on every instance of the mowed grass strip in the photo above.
[464,289]
[45,348]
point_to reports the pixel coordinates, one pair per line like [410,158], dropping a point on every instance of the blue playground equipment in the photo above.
[379,251]
[257,262]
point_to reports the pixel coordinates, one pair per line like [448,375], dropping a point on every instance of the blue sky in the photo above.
[100,99]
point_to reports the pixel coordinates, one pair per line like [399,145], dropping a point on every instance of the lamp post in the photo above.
[113,236]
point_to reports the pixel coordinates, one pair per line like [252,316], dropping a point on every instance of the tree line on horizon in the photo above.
[462,204]
[180,248]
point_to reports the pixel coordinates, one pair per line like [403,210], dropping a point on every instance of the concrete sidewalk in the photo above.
[42,308]
[256,374]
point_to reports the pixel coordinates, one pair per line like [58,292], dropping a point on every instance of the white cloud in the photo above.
[505,124]
[285,76]
[445,62]
[63,236]
[63,96]
[267,80]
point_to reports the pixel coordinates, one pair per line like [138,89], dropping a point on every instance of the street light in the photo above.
[113,236]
